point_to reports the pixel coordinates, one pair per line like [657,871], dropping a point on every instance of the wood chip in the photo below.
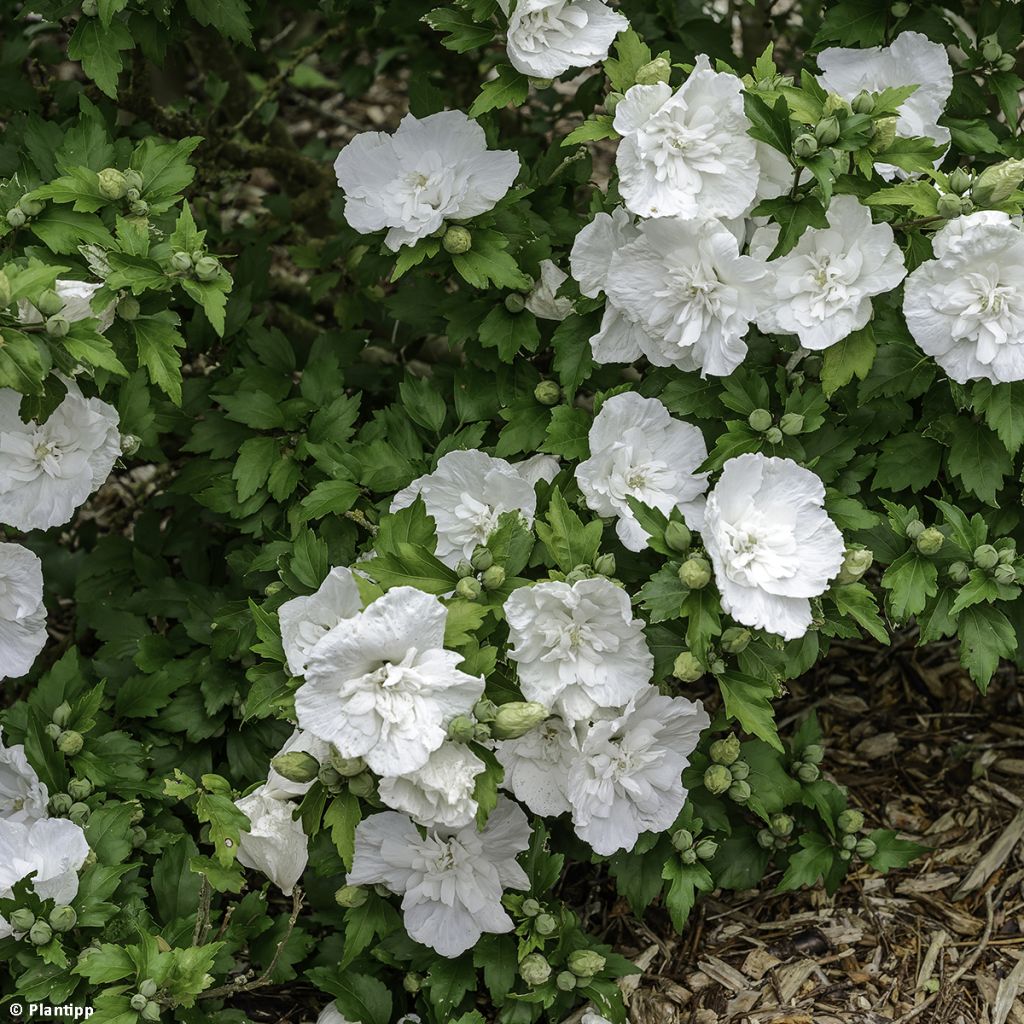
[758,963]
[790,979]
[1009,989]
[994,859]
[727,976]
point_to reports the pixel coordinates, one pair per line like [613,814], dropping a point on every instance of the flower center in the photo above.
[759,550]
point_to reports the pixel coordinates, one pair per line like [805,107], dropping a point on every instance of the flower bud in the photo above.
[53,731]
[1007,62]
[545,924]
[138,1001]
[140,208]
[773,435]
[493,577]
[79,812]
[469,588]
[578,574]
[351,896]
[485,710]
[814,753]
[363,785]
[805,146]
[328,777]
[900,9]
[70,743]
[534,969]
[948,205]
[827,131]
[130,444]
[457,240]
[765,839]
[654,71]
[514,302]
[346,767]
[760,420]
[128,308]
[548,392]
[808,773]
[207,268]
[991,50]
[482,732]
[611,101]
[740,770]
[63,919]
[850,820]
[80,789]
[1005,574]
[412,983]
[866,848]
[687,667]
[726,750]
[151,1012]
[856,561]
[997,183]
[22,919]
[605,565]
[296,766]
[57,326]
[112,183]
[530,908]
[959,572]
[914,529]
[682,839]
[930,541]
[781,825]
[133,195]
[688,857]
[986,556]
[717,779]
[678,537]
[791,423]
[706,848]
[739,791]
[585,963]
[461,729]
[960,180]
[541,83]
[61,714]
[40,933]
[30,207]
[695,572]
[863,103]
[148,988]
[133,179]
[15,217]
[736,639]
[966,206]
[565,981]
[483,558]
[181,261]
[517,718]
[90,8]
[60,804]
[138,836]
[464,568]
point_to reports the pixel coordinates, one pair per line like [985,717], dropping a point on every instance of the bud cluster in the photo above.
[25,209]
[806,768]
[778,834]
[691,847]
[727,773]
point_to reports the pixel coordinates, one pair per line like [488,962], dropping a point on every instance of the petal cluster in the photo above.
[23,796]
[274,843]
[22,612]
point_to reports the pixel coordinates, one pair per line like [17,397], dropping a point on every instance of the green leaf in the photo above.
[573,360]
[809,864]
[632,53]
[329,497]
[910,580]
[568,541]
[893,852]
[857,602]
[63,230]
[229,17]
[98,47]
[1003,408]
[508,88]
[596,127]
[749,701]
[685,880]
[463,32]
[157,342]
[986,635]
[568,433]
[849,358]
[412,566]
[978,458]
[662,596]
[22,365]
[227,823]
[488,263]
[794,217]
[341,817]
[256,458]
[509,332]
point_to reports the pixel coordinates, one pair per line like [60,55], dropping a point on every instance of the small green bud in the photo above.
[514,302]
[678,537]
[79,812]
[930,541]
[63,919]
[654,71]
[53,731]
[1005,574]
[706,848]
[948,205]
[856,561]
[1007,549]
[986,556]
[548,392]
[112,183]
[296,766]
[866,848]
[22,919]
[814,753]
[1007,62]
[70,743]
[726,750]
[900,9]
[517,718]
[60,804]
[688,856]
[531,908]
[914,529]
[740,770]
[736,639]
[329,777]
[138,836]
[133,195]
[850,820]
[483,558]
[140,208]
[605,565]
[49,303]
[16,218]
[808,773]
[827,131]
[565,981]
[805,146]
[134,179]
[781,825]
[991,51]
[207,268]
[481,732]
[57,326]
[128,308]
[695,572]
[457,240]
[545,924]
[682,839]
[997,183]
[791,423]
[461,729]
[760,420]
[585,963]
[5,290]
[848,842]
[960,180]
[363,785]
[464,568]
[469,588]
[534,969]
[765,839]
[148,988]
[90,8]
[773,435]
[80,789]
[412,983]
[578,574]
[40,933]
[493,577]
[62,714]
[611,101]
[151,1012]
[181,261]
[845,855]
[959,572]
[740,791]
[351,896]
[966,206]
[197,255]
[863,103]
[30,207]
[687,667]
[347,767]
[485,710]
[717,779]
[138,1001]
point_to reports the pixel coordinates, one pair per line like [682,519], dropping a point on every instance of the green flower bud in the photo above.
[140,208]
[960,180]
[654,71]
[760,420]
[485,710]
[900,9]
[585,963]
[845,855]
[296,766]
[493,578]
[678,537]
[351,896]
[464,568]
[15,217]
[687,667]
[773,435]
[545,924]
[688,857]
[133,195]
[63,919]
[517,718]
[22,919]
[966,206]
[134,179]
[856,561]
[991,51]
[412,983]
[62,714]
[997,183]
[863,103]
[181,261]
[565,981]
[948,205]
[930,541]
[112,183]
[814,753]
[866,848]
[1007,62]
[483,558]
[128,308]
[151,1012]
[808,773]
[914,529]
[726,750]
[5,290]
[530,908]
[148,988]
[717,779]
[481,732]
[363,785]
[986,556]
[736,639]
[79,812]
[57,326]
[805,146]
[30,207]
[682,839]
[848,842]
[53,731]
[578,574]
[40,933]
[469,588]
[347,767]
[740,791]
[80,789]
[1007,549]
[827,131]
[534,969]
[548,392]
[138,836]
[740,770]
[781,825]
[695,572]
[90,8]
[457,240]
[605,565]
[850,820]
[138,1001]
[197,255]
[791,423]
[329,778]
[706,848]
[461,729]
[611,101]
[207,268]
[70,743]
[60,804]
[959,572]
[514,302]
[1005,574]
[765,839]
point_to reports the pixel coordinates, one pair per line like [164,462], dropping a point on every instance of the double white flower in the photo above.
[440,794]
[22,612]
[23,796]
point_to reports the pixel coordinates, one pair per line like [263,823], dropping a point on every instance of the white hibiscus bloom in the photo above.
[772,545]
[775,173]
[305,620]
[274,844]
[627,779]
[433,169]
[441,792]
[48,469]
[548,37]
[22,612]
[543,301]
[638,450]
[54,848]
[465,496]
[451,885]
[577,648]
[77,296]
[537,468]
[912,59]
[381,686]
[687,153]
[301,742]
[330,1014]
[824,284]
[537,767]
[965,307]
[23,796]
[692,293]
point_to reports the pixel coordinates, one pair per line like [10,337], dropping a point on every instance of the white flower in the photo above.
[281,788]
[22,612]
[627,779]
[77,296]
[537,766]
[686,154]
[330,1014]
[441,792]
[912,59]
[686,285]
[274,843]
[547,37]
[47,470]
[591,1017]
[577,648]
[431,170]
[543,301]
[465,495]
[381,686]
[23,797]
[824,284]
[771,543]
[451,885]
[54,848]
[965,308]
[305,620]
[775,173]
[537,468]
[638,450]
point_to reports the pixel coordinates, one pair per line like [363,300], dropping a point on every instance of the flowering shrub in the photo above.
[395,520]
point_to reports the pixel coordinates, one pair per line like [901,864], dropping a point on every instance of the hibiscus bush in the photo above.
[431,437]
